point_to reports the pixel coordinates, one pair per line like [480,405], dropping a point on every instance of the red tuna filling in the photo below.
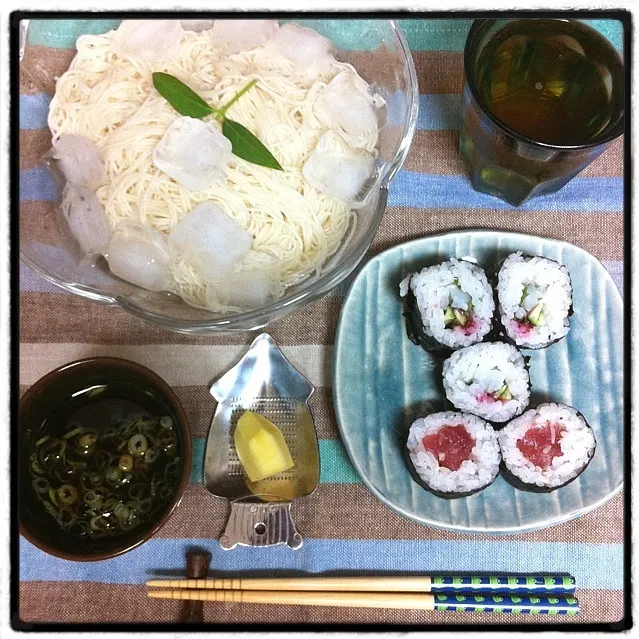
[451,445]
[540,444]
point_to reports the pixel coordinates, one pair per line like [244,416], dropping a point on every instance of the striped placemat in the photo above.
[344,526]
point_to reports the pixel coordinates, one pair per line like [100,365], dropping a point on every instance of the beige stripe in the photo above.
[41,67]
[39,222]
[436,152]
[184,366]
[72,602]
[350,511]
[437,71]
[199,406]
[602,234]
[33,145]
[431,152]
[101,324]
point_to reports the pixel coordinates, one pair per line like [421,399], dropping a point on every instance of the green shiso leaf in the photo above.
[181,97]
[247,146]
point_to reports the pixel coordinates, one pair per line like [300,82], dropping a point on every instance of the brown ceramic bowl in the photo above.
[48,395]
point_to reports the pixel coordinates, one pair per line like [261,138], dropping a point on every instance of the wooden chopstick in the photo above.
[513,604]
[542,584]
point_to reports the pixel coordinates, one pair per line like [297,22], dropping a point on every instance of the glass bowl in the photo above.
[379,52]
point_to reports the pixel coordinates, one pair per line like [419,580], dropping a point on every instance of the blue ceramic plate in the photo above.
[382,382]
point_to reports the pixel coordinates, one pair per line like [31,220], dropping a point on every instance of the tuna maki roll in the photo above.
[490,380]
[448,306]
[452,454]
[546,448]
[535,300]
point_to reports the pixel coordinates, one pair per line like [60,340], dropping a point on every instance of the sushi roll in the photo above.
[452,454]
[490,380]
[448,306]
[535,300]
[546,448]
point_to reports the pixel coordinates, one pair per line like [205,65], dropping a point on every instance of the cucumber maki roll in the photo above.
[546,448]
[489,380]
[535,300]
[448,306]
[452,454]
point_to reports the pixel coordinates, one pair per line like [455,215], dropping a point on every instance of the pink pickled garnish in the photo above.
[521,329]
[470,328]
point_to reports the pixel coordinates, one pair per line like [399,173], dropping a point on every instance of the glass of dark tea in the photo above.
[542,99]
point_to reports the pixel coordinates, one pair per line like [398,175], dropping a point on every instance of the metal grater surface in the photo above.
[265,382]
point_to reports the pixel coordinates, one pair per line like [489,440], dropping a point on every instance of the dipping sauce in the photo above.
[105,461]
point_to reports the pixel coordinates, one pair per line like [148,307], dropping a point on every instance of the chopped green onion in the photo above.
[138,445]
[112,475]
[87,440]
[52,497]
[67,494]
[42,440]
[66,517]
[126,463]
[166,422]
[92,499]
[41,485]
[73,433]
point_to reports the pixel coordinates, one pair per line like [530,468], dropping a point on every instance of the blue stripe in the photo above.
[438,112]
[335,466]
[593,565]
[37,184]
[422,35]
[581,195]
[419,190]
[34,110]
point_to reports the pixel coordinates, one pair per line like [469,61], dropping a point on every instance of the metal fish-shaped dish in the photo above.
[265,382]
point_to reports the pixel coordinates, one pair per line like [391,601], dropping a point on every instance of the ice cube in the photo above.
[336,169]
[243,35]
[139,256]
[197,25]
[210,240]
[302,45]
[194,153]
[346,104]
[246,288]
[79,160]
[86,219]
[151,40]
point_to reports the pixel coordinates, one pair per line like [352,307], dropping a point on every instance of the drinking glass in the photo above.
[517,166]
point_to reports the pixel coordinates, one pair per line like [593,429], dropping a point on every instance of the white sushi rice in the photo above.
[474,473]
[435,290]
[577,445]
[544,281]
[472,373]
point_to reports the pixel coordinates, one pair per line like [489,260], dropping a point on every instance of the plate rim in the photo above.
[336,402]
